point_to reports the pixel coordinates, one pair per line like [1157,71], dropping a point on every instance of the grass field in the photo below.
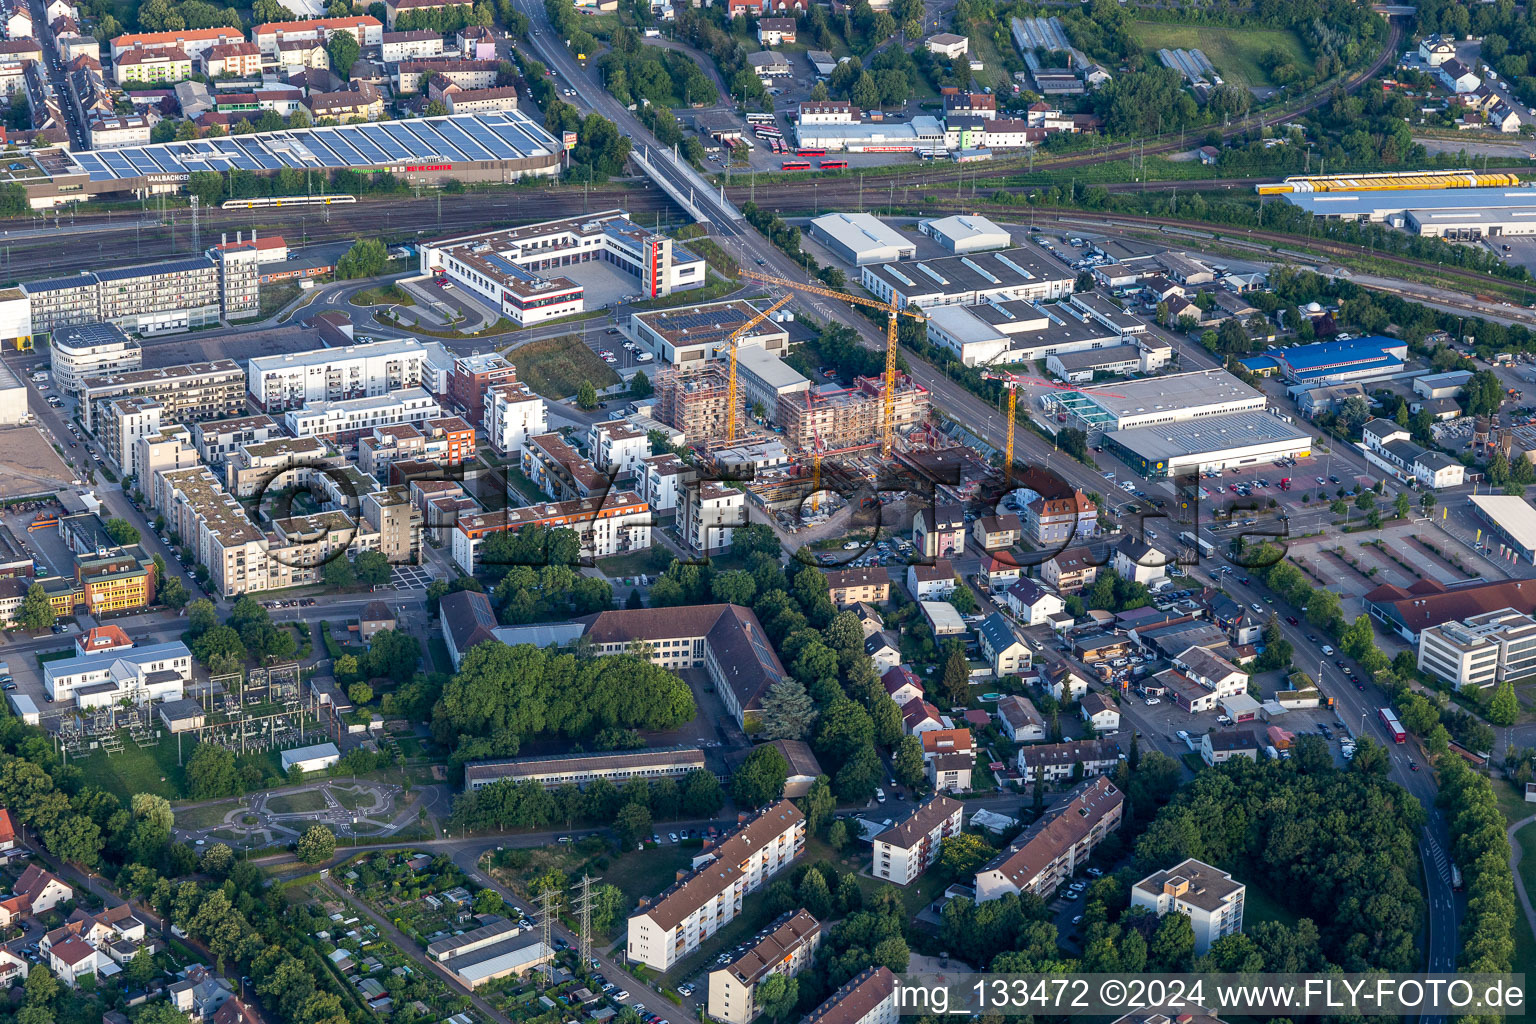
[137,769]
[1525,942]
[1234,51]
[206,816]
[296,803]
[556,367]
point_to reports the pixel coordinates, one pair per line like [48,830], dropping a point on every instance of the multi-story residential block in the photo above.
[127,421]
[617,446]
[912,845]
[997,533]
[397,521]
[1052,849]
[274,465]
[446,441]
[1032,603]
[725,640]
[281,382]
[178,295]
[349,418]
[222,537]
[1070,571]
[870,998]
[1061,520]
[394,8]
[933,582]
[187,393]
[663,481]
[169,449]
[216,440]
[413,45]
[859,586]
[606,525]
[1481,650]
[1056,761]
[560,470]
[939,532]
[669,928]
[709,515]
[367,30]
[191,41]
[1211,900]
[142,67]
[90,350]
[240,59]
[474,375]
[787,949]
[478,101]
[513,414]
[580,770]
[1221,747]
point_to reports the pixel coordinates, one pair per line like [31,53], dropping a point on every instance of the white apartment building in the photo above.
[352,416]
[1482,650]
[605,524]
[90,350]
[870,998]
[1213,672]
[1211,900]
[662,480]
[295,379]
[669,928]
[513,414]
[216,439]
[617,447]
[1052,849]
[912,845]
[787,949]
[367,30]
[132,420]
[709,514]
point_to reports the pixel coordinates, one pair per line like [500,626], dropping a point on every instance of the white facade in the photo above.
[617,447]
[90,350]
[1021,273]
[966,233]
[709,514]
[1211,900]
[669,929]
[281,382]
[513,414]
[326,418]
[311,759]
[139,674]
[1482,651]
[662,481]
[911,846]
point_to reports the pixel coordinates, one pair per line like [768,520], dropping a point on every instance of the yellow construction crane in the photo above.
[1011,382]
[887,423]
[733,341]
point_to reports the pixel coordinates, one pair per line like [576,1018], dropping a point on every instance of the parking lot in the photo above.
[410,577]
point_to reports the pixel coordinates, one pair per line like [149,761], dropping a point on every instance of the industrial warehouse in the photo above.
[1154,401]
[489,147]
[1214,442]
[1459,212]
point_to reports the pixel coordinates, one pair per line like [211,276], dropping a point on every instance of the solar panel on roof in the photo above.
[382,139]
[434,141]
[370,153]
[467,145]
[338,146]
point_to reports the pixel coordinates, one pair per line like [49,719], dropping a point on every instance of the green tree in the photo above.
[372,568]
[360,693]
[814,894]
[318,844]
[367,257]
[777,994]
[343,50]
[36,611]
[586,395]
[907,765]
[818,805]
[788,712]
[489,901]
[211,772]
[1504,708]
[760,778]
[702,795]
[122,532]
[201,616]
[960,856]
[837,835]
[632,824]
[338,573]
[957,676]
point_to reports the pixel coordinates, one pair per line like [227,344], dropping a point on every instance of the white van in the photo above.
[880,794]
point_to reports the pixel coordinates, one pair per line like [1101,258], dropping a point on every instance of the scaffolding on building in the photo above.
[848,417]
[697,401]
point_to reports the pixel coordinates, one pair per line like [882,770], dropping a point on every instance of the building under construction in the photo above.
[697,402]
[839,417]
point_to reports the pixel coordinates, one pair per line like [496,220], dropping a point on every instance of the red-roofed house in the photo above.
[946,741]
[903,685]
[74,959]
[43,889]
[7,830]
[102,638]
[918,717]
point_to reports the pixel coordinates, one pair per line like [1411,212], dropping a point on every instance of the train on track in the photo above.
[265,201]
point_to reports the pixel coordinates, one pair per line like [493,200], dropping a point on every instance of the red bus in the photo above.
[834,165]
[1394,727]
[797,165]
[811,152]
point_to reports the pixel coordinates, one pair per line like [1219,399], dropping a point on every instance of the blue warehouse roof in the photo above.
[1339,354]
